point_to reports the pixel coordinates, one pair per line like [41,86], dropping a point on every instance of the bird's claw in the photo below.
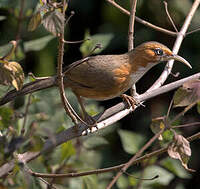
[131,101]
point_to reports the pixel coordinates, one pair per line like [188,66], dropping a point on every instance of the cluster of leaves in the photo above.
[11,72]
[50,16]
[45,116]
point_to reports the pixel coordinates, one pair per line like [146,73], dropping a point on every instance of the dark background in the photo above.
[99,17]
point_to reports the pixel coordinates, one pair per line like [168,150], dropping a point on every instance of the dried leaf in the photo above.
[53,21]
[187,94]
[11,73]
[180,149]
[34,22]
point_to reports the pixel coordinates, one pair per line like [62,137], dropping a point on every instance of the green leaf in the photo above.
[90,182]
[35,21]
[11,73]
[7,51]
[36,143]
[164,176]
[53,21]
[131,141]
[122,182]
[103,39]
[187,94]
[67,150]
[176,168]
[94,142]
[37,44]
[5,117]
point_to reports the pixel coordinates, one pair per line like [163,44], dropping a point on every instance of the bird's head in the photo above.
[154,52]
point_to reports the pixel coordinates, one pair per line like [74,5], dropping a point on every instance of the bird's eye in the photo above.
[158,51]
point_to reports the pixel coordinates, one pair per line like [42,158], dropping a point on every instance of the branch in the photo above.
[157,28]
[106,118]
[68,108]
[177,44]
[109,169]
[133,4]
[130,162]
[170,19]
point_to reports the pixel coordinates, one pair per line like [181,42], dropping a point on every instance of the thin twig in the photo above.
[68,109]
[48,184]
[186,125]
[193,31]
[168,111]
[98,171]
[78,62]
[168,32]
[26,113]
[109,169]
[130,162]
[17,38]
[133,4]
[69,18]
[182,113]
[170,19]
[141,179]
[75,42]
[159,82]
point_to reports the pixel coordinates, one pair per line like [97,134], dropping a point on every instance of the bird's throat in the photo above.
[141,70]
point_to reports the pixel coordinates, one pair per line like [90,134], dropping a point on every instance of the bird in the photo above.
[103,77]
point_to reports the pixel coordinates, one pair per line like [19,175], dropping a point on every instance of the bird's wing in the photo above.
[96,72]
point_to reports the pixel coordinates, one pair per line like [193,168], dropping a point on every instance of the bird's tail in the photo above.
[29,88]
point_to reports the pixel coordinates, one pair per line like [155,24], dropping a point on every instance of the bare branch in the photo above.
[130,162]
[176,47]
[168,32]
[186,125]
[133,4]
[109,169]
[68,108]
[26,113]
[170,19]
[105,119]
[191,32]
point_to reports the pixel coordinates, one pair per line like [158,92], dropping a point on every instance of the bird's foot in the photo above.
[131,101]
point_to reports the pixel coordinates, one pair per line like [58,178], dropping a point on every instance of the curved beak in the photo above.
[180,59]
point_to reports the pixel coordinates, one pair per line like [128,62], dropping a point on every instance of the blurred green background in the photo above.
[37,53]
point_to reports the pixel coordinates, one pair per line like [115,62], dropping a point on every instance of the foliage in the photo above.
[32,27]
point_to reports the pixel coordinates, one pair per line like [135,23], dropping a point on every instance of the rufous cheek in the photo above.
[150,54]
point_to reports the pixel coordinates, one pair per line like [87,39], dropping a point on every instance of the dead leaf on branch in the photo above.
[188,94]
[180,149]
[11,73]
[53,21]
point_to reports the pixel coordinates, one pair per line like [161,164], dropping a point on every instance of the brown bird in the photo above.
[105,77]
